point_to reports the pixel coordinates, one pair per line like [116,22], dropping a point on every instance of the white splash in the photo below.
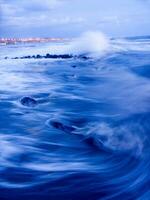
[91,42]
[119,139]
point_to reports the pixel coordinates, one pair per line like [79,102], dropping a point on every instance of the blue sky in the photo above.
[69,18]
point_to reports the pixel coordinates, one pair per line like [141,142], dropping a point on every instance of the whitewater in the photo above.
[78,126]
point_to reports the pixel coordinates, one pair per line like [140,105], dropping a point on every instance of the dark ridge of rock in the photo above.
[63,56]
[53,56]
[28,57]
[62,127]
[28,101]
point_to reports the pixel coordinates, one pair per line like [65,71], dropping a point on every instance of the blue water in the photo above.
[75,129]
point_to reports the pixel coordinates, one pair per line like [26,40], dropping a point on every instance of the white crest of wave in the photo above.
[91,42]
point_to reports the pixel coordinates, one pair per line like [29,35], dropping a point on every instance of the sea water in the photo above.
[76,129]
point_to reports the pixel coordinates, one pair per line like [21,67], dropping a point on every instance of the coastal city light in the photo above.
[5,41]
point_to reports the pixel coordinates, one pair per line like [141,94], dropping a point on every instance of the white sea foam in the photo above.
[94,43]
[117,139]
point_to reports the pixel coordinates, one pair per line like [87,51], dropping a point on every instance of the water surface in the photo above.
[85,135]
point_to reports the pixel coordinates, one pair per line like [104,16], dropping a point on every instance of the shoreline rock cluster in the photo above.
[52,56]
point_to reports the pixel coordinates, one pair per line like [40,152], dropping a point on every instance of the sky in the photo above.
[70,18]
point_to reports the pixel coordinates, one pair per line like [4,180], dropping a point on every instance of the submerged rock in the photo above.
[62,127]
[28,101]
[74,66]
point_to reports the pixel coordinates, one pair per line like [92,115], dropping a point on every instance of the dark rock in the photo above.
[28,101]
[38,56]
[74,66]
[82,56]
[54,56]
[47,55]
[90,141]
[66,56]
[62,127]
[27,57]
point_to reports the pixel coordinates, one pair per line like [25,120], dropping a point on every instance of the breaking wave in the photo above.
[93,43]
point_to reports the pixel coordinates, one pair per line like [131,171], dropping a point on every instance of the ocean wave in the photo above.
[75,128]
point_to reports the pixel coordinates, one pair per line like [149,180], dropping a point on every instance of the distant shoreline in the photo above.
[7,41]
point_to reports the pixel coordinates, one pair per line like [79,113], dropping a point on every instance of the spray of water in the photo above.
[94,43]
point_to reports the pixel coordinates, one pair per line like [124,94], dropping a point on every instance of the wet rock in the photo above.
[65,56]
[84,57]
[47,55]
[62,127]
[28,101]
[38,56]
[74,66]
[55,56]
[27,57]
